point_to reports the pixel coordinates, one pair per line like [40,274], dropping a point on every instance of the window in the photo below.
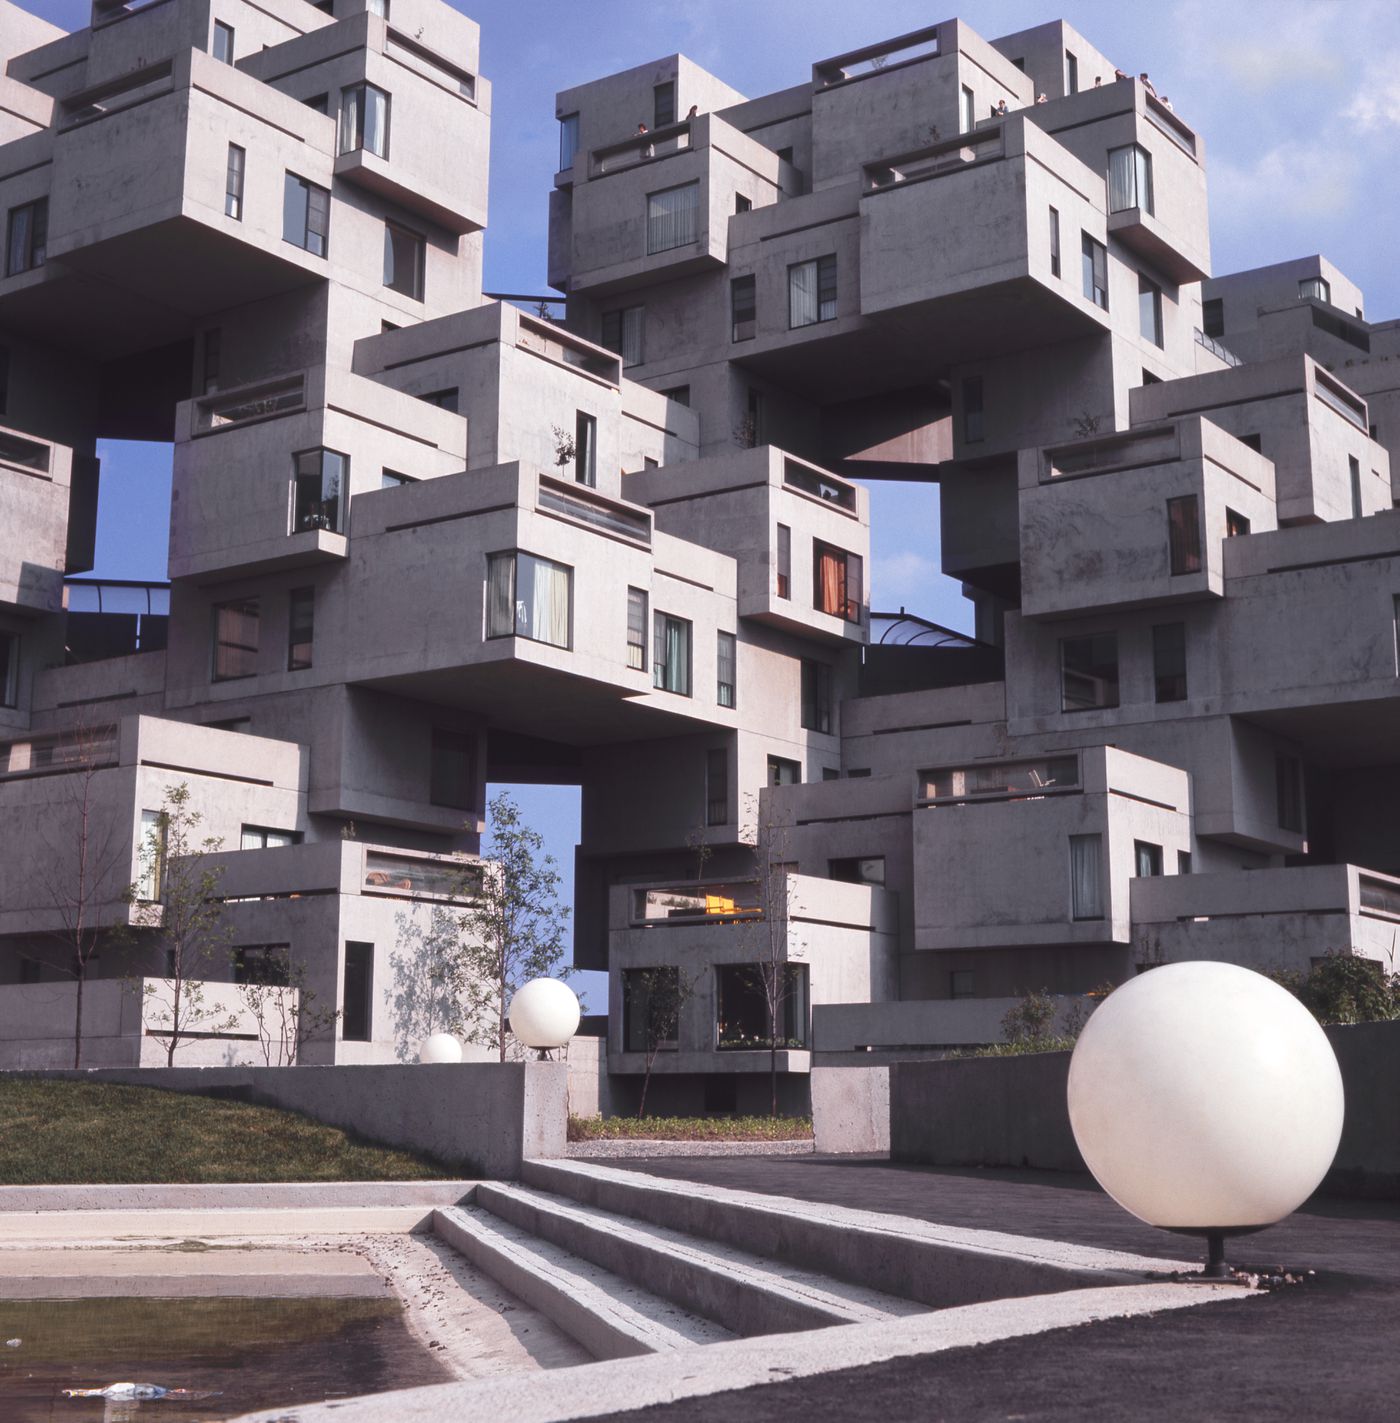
[452,769]
[443,399]
[1255,442]
[364,120]
[1147,859]
[742,204]
[836,582]
[717,787]
[223,42]
[301,618]
[1129,179]
[1089,672]
[1150,311]
[379,7]
[1054,242]
[1071,73]
[743,309]
[1169,661]
[9,669]
[742,1009]
[726,669]
[784,565]
[1213,316]
[404,253]
[1085,876]
[783,773]
[622,332]
[306,215]
[1288,780]
[233,183]
[816,695]
[868,869]
[322,483]
[1183,862]
[212,344]
[1149,379]
[568,141]
[663,110]
[670,655]
[967,111]
[392,479]
[651,1000]
[1095,270]
[267,964]
[260,837]
[585,449]
[637,629]
[812,291]
[1184,534]
[27,237]
[679,393]
[150,853]
[529,597]
[1236,525]
[672,218]
[1315,289]
[321,103]
[961,983]
[972,409]
[1354,470]
[236,639]
[356,994]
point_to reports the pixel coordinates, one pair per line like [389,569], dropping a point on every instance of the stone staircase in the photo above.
[632,1264]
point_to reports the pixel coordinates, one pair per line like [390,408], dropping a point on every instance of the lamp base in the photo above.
[1215,1267]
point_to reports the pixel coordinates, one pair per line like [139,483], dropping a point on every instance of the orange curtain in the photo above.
[833,579]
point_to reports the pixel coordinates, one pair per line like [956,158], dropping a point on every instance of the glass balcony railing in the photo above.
[1380,897]
[1216,349]
[68,751]
[1018,780]
[716,903]
[422,879]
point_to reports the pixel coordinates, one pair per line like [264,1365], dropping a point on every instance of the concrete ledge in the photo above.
[310,1195]
[98,1225]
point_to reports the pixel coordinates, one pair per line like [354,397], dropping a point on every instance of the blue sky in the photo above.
[1298,102]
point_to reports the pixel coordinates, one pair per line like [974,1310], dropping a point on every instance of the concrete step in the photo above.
[748,1294]
[611,1317]
[939,1266]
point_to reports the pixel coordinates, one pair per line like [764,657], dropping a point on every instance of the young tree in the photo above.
[659,995]
[512,932]
[284,1010]
[81,874]
[189,915]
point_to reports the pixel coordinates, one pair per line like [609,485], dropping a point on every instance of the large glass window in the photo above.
[1147,859]
[9,669]
[673,218]
[726,669]
[637,629]
[236,628]
[664,104]
[1129,179]
[812,291]
[150,857]
[27,237]
[1316,288]
[622,332]
[568,141]
[782,772]
[743,309]
[529,597]
[1169,661]
[301,624]
[1094,263]
[585,449]
[452,769]
[836,582]
[364,120]
[404,254]
[1150,311]
[1089,672]
[717,786]
[322,490]
[816,695]
[784,562]
[651,1003]
[670,657]
[749,1017]
[223,42]
[261,837]
[1086,876]
[357,994]
[1184,534]
[306,215]
[233,183]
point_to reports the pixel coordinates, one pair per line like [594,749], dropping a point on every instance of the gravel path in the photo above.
[616,1150]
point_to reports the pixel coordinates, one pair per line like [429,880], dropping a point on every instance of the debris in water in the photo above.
[13,1343]
[129,1390]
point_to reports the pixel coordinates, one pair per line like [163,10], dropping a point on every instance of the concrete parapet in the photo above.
[851,1108]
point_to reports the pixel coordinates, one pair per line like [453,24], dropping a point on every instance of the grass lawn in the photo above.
[690,1128]
[87,1133]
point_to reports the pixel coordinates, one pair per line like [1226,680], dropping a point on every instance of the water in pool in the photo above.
[244,1354]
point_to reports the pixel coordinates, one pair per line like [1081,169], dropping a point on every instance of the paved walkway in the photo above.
[1328,1349]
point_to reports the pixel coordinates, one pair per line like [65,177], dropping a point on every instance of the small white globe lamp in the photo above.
[441,1047]
[1206,1100]
[544,1014]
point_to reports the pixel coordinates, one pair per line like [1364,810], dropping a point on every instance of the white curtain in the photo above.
[376,137]
[1122,184]
[542,607]
[671,218]
[1086,876]
[802,294]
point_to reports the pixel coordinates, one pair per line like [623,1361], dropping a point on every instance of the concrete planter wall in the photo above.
[477,1118]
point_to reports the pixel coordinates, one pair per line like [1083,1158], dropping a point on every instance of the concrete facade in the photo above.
[421,541]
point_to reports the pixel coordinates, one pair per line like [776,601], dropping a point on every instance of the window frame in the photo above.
[514,604]
[234,171]
[1169,671]
[222,42]
[852,578]
[815,701]
[784,771]
[419,247]
[585,449]
[743,315]
[352,132]
[783,563]
[1093,260]
[726,659]
[1133,180]
[301,618]
[1054,241]
[568,140]
[663,675]
[313,199]
[1185,553]
[247,607]
[357,1027]
[32,234]
[309,514]
[622,330]
[1083,907]
[1100,644]
[824,291]
[638,628]
[660,237]
[1150,315]
[9,672]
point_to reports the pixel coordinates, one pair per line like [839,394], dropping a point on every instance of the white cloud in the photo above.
[902,578]
[1377,103]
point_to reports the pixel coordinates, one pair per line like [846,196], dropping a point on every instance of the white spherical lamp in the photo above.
[1205,1099]
[544,1013]
[441,1047]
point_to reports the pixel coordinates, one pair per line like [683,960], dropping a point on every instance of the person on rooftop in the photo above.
[1001,111]
[1147,84]
[1041,99]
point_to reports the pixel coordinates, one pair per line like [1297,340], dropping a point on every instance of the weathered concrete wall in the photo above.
[1011,1111]
[479,1119]
[851,1108]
